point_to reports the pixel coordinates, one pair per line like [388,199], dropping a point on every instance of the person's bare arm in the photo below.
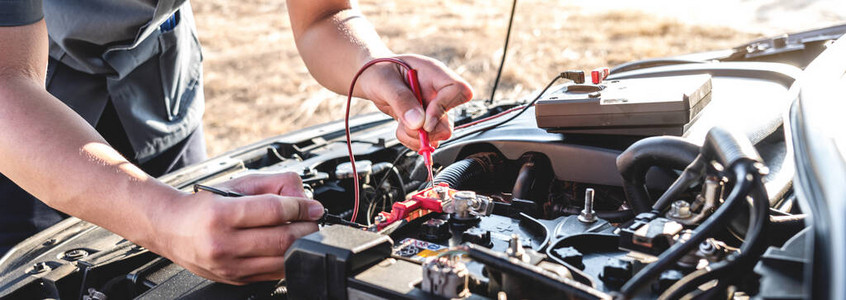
[51,152]
[54,154]
[335,40]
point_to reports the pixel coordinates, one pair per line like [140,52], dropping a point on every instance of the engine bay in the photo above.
[515,211]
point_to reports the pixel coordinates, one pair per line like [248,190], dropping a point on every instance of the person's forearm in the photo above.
[334,40]
[55,155]
[50,151]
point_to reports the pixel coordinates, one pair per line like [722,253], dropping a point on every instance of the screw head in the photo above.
[707,247]
[680,210]
[39,267]
[74,254]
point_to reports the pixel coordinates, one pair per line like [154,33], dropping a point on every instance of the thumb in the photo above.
[285,184]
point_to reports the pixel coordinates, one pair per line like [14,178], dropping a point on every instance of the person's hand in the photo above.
[443,89]
[238,239]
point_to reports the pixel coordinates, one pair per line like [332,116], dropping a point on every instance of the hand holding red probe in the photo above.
[404,97]
[441,89]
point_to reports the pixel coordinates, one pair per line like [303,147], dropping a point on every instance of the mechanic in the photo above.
[99,97]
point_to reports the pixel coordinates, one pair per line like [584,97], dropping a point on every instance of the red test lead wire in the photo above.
[426,148]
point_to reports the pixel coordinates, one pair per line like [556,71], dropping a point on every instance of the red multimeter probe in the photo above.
[426,148]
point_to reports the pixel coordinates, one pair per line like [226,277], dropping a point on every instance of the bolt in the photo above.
[707,248]
[40,267]
[75,254]
[280,291]
[588,215]
[442,192]
[515,248]
[680,210]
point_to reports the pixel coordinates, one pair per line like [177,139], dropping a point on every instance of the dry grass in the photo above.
[256,85]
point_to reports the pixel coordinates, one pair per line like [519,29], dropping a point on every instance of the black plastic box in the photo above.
[317,266]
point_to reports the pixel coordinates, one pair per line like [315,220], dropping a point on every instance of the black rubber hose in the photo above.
[754,245]
[742,187]
[468,172]
[662,151]
[727,147]
[460,173]
[523,184]
[617,216]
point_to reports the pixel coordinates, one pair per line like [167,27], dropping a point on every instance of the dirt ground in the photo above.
[256,85]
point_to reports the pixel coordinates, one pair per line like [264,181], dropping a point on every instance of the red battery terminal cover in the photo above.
[419,204]
[599,74]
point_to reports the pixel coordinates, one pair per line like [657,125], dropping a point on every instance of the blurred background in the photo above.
[256,85]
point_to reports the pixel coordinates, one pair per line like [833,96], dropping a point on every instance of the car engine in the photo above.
[660,178]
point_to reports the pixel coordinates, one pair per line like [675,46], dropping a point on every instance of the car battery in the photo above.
[642,106]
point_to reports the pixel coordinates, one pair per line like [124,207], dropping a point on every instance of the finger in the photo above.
[385,108]
[256,269]
[271,210]
[449,96]
[406,139]
[404,105]
[443,130]
[291,185]
[285,184]
[270,241]
[263,266]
